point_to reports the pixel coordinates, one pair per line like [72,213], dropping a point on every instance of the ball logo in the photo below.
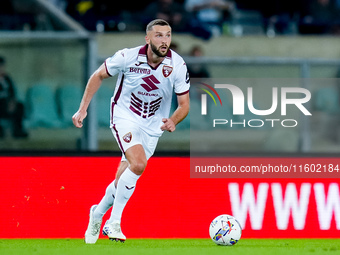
[226,229]
[127,137]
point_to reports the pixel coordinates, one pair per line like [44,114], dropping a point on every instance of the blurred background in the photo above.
[49,48]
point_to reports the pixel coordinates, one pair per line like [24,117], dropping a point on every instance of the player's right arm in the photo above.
[92,86]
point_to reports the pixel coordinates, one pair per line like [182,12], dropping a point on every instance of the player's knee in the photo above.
[138,167]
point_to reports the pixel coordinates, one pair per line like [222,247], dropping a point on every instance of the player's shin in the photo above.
[106,202]
[125,188]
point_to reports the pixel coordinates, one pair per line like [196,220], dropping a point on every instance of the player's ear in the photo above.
[147,40]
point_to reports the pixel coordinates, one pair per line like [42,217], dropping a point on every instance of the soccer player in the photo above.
[140,107]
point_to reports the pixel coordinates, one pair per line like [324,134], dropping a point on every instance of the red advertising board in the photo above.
[50,197]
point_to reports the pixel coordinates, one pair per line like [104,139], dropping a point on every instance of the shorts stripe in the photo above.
[118,139]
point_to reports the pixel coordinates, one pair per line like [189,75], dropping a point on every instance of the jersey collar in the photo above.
[142,56]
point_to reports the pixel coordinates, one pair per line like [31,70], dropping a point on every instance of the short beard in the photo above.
[157,52]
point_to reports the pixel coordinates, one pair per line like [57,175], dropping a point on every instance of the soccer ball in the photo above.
[225,230]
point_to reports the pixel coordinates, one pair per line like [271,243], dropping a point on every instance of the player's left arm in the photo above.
[178,115]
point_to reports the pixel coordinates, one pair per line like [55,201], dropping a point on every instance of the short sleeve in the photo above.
[182,81]
[116,63]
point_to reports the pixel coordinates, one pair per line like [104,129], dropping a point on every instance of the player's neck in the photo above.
[153,59]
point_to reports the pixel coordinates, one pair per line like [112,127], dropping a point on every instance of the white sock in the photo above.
[106,202]
[125,188]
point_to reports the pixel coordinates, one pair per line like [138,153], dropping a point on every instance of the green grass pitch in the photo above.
[169,246]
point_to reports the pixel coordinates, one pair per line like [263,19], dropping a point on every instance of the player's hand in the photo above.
[78,118]
[168,125]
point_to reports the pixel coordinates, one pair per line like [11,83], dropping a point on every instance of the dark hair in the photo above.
[156,22]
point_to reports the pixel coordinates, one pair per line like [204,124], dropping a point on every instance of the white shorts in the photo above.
[128,134]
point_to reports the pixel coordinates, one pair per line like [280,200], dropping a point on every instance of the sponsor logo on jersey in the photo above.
[139,70]
[167,70]
[147,94]
[151,82]
[127,137]
[144,109]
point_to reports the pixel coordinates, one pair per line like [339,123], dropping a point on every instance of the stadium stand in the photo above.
[282,141]
[42,107]
[248,17]
[103,105]
[68,98]
[327,100]
[35,15]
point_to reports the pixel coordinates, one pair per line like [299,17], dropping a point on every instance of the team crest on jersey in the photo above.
[167,70]
[127,137]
